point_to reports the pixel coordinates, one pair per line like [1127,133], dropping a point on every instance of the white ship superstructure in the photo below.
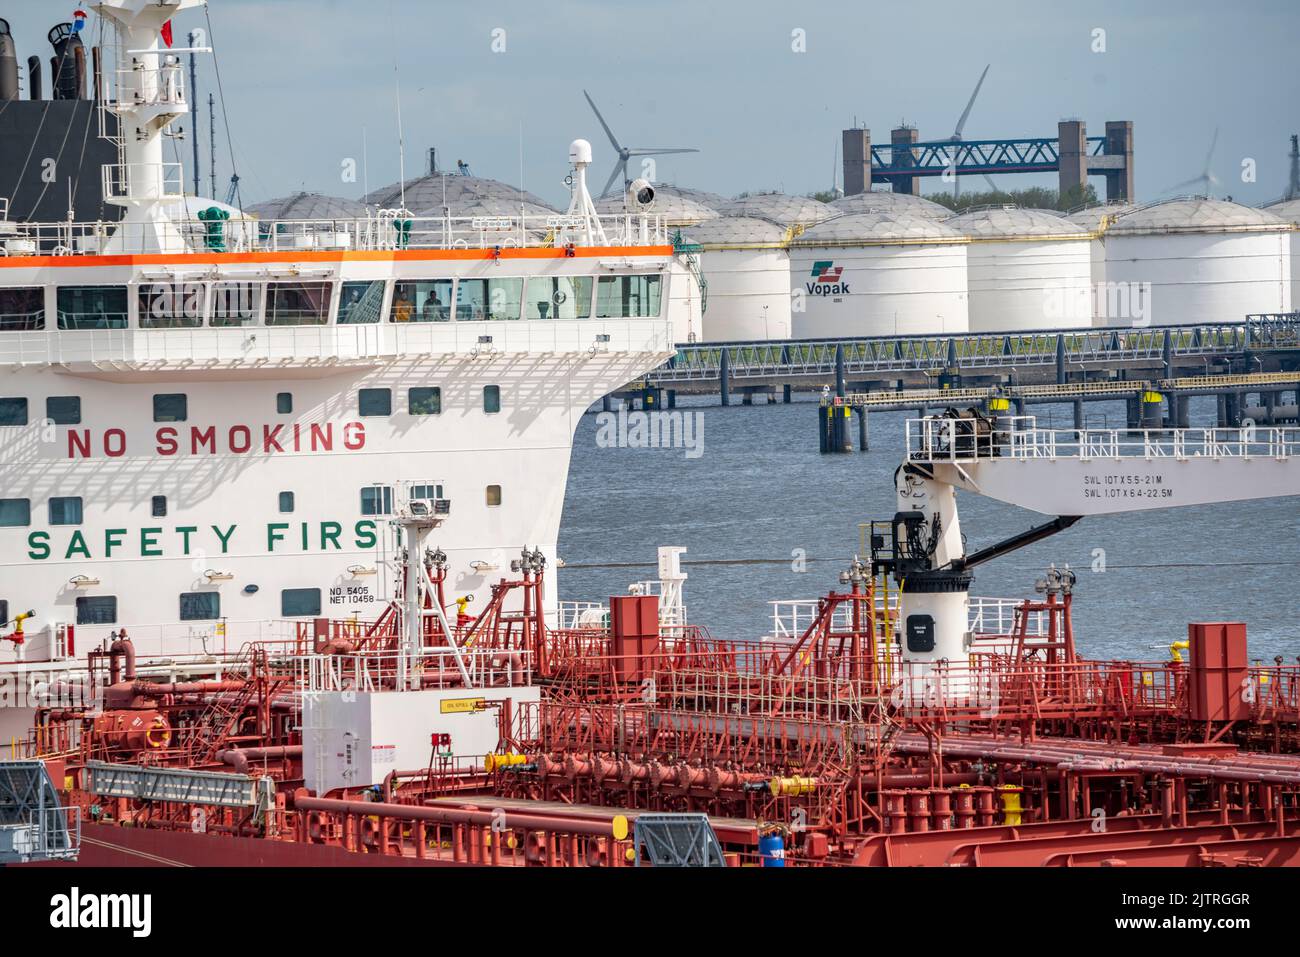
[208,425]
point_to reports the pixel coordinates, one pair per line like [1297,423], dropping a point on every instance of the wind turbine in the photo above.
[1207,179]
[626,152]
[955,139]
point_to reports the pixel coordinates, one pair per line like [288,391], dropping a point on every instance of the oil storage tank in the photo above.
[1096,220]
[799,212]
[1197,260]
[1026,269]
[877,201]
[1289,211]
[879,274]
[746,264]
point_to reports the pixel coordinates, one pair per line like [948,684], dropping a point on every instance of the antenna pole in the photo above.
[194,109]
[212,141]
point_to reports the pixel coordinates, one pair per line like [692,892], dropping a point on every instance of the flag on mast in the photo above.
[78,21]
[167,33]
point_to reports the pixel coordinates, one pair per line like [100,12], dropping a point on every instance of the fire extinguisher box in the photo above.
[1219,673]
[634,634]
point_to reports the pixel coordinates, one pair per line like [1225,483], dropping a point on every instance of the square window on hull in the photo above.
[173,407]
[200,606]
[15,512]
[299,602]
[13,411]
[63,409]
[375,402]
[65,511]
[97,610]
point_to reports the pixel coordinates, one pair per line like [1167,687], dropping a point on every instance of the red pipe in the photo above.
[240,758]
[512,820]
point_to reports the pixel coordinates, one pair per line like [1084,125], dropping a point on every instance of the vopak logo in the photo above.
[826,280]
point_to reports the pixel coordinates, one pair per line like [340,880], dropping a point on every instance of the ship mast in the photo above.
[147,94]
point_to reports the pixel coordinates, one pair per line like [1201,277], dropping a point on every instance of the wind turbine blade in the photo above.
[961,123]
[1214,141]
[992,185]
[656,151]
[1189,182]
[620,165]
[605,126]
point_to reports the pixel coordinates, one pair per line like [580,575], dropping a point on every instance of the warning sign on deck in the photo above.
[461,705]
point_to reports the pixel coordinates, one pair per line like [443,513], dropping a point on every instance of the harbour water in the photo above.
[760,496]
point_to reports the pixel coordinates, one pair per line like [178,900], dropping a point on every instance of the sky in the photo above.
[762,88]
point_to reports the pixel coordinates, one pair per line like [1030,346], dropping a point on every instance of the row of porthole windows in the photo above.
[181,304]
[70,510]
[63,510]
[174,407]
[194,606]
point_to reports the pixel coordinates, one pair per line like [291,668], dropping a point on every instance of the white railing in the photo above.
[431,669]
[163,181]
[383,230]
[272,347]
[938,439]
[581,614]
[988,616]
[46,834]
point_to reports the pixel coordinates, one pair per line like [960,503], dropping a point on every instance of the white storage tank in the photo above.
[1289,211]
[701,196]
[304,205]
[1027,269]
[452,190]
[800,212]
[877,201]
[1205,260]
[1096,219]
[879,274]
[747,267]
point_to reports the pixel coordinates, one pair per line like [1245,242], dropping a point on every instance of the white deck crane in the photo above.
[1068,474]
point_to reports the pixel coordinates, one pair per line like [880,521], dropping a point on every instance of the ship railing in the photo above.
[939,439]
[41,834]
[148,86]
[435,668]
[1275,692]
[381,230]
[164,181]
[268,348]
[573,615]
[988,616]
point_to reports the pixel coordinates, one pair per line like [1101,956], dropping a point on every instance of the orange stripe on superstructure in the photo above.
[338,256]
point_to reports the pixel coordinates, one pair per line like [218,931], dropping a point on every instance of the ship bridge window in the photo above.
[493,299]
[492,398]
[286,501]
[299,602]
[284,402]
[158,506]
[200,606]
[63,409]
[421,301]
[298,303]
[22,310]
[493,496]
[171,305]
[236,303]
[633,297]
[558,297]
[13,411]
[15,512]
[377,500]
[4,612]
[92,307]
[427,491]
[97,610]
[375,401]
[65,511]
[172,407]
[361,302]
[424,400]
